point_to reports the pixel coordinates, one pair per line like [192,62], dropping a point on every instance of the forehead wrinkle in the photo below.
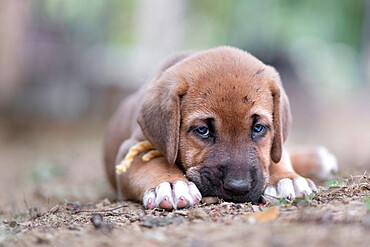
[261,112]
[198,115]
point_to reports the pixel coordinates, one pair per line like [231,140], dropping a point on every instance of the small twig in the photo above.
[102,211]
[359,176]
[25,201]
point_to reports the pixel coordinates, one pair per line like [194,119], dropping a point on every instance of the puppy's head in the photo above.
[221,115]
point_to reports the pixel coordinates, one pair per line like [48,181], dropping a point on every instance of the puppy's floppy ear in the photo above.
[159,116]
[281,115]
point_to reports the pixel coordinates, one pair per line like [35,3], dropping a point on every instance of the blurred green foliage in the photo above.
[93,20]
[324,40]
[273,23]
[278,23]
[367,202]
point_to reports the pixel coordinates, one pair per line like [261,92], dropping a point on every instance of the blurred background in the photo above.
[66,64]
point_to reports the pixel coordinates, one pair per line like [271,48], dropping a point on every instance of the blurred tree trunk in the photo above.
[13,19]
[160,31]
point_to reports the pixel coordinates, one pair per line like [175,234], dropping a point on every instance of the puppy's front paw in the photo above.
[287,188]
[167,196]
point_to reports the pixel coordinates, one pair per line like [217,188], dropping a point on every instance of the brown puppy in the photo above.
[220,118]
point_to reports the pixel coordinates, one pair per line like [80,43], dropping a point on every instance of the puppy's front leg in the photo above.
[285,183]
[158,184]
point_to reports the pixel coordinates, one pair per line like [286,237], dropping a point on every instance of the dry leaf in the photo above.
[264,216]
[210,200]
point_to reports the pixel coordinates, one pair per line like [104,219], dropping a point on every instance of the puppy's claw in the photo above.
[163,193]
[182,202]
[165,203]
[312,185]
[301,187]
[197,197]
[150,204]
[149,199]
[270,192]
[180,195]
[286,189]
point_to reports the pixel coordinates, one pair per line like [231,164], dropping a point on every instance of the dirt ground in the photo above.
[54,192]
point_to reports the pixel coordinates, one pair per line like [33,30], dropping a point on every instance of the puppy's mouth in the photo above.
[253,194]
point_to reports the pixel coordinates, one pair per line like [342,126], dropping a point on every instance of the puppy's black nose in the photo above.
[237,186]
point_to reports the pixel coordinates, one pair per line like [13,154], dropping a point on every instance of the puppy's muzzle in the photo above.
[239,180]
[238,183]
[235,186]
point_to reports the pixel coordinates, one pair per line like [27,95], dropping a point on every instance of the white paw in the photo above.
[290,189]
[179,195]
[328,164]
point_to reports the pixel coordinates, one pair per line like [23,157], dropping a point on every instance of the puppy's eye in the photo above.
[202,131]
[259,128]
[258,131]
